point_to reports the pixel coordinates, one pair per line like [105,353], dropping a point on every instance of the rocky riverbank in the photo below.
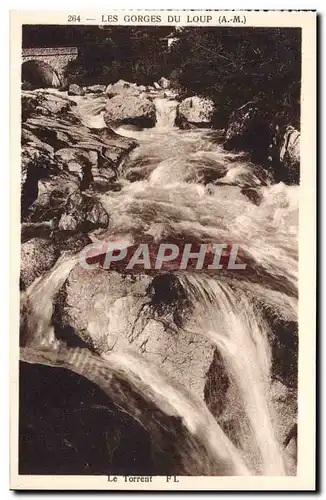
[64,165]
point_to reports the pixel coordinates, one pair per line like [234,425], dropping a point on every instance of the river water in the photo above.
[180,185]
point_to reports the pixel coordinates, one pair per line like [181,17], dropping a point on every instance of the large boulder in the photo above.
[195,111]
[122,87]
[75,89]
[101,307]
[137,110]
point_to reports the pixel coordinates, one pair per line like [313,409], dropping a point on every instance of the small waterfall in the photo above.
[229,320]
[202,431]
[37,304]
[166,111]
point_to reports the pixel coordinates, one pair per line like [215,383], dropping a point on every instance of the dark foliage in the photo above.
[232,66]
[236,66]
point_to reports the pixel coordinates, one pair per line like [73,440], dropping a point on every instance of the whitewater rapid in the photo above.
[181,185]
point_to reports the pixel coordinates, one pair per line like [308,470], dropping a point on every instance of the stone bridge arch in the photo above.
[46,64]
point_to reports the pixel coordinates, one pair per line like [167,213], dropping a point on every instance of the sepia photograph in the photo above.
[160,184]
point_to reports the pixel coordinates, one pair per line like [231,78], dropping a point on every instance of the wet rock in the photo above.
[253,194]
[37,256]
[169,298]
[36,164]
[164,83]
[130,109]
[53,192]
[157,86]
[122,88]
[68,222]
[44,103]
[268,139]
[95,89]
[290,154]
[75,89]
[134,313]
[67,155]
[83,213]
[78,162]
[96,216]
[28,104]
[195,111]
[111,138]
[30,140]
[291,451]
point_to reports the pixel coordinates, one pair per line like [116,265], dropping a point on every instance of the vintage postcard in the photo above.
[163,250]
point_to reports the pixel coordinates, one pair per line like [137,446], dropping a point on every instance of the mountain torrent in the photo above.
[174,373]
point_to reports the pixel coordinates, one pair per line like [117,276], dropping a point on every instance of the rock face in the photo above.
[130,110]
[276,146]
[82,213]
[62,158]
[195,111]
[75,90]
